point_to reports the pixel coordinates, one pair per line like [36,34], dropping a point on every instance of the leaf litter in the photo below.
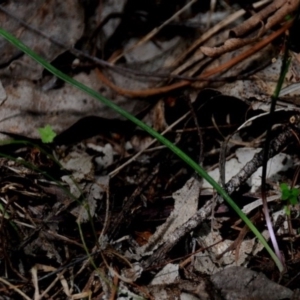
[89,216]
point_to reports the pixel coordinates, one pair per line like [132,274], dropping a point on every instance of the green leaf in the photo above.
[293,200]
[284,187]
[47,134]
[285,191]
[285,194]
[295,192]
[290,195]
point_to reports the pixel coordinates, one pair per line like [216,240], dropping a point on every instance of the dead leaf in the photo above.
[60,20]
[186,203]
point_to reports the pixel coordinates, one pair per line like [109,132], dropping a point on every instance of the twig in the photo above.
[96,60]
[151,34]
[257,19]
[114,288]
[14,288]
[209,33]
[276,145]
[281,7]
[117,170]
[107,213]
[224,67]
[203,213]
[160,90]
[192,110]
[159,255]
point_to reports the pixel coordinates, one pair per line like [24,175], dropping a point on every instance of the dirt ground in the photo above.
[93,207]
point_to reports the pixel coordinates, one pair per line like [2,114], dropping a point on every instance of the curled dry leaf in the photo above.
[257,19]
[279,8]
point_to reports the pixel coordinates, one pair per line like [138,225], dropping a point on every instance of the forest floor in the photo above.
[92,207]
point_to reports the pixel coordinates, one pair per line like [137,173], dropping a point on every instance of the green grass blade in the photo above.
[152,132]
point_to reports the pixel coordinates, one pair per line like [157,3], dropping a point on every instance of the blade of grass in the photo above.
[17,43]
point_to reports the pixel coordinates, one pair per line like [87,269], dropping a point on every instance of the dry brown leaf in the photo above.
[61,20]
[28,107]
[256,19]
[280,10]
